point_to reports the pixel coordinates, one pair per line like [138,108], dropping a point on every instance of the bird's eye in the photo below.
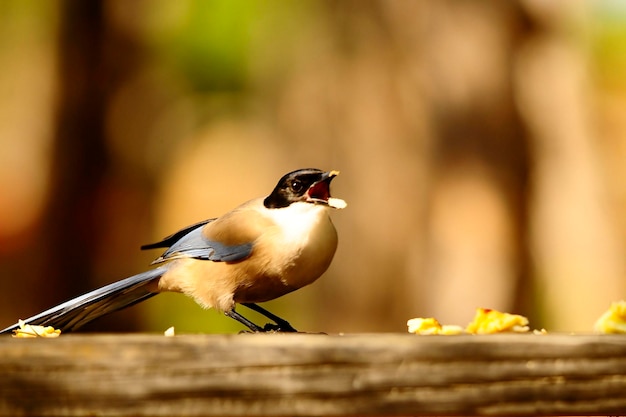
[297,186]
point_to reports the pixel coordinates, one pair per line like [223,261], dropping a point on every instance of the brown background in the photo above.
[481,146]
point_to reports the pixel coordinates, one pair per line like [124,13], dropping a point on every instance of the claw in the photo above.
[281,327]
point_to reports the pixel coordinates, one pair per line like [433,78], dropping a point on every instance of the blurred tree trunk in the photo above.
[574,233]
[430,129]
[79,157]
[75,220]
[55,262]
[478,238]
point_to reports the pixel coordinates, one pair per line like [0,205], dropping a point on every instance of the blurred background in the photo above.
[481,145]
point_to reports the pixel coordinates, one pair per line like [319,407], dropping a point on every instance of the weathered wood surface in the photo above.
[297,374]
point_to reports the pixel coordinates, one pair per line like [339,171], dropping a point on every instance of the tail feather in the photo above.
[81,310]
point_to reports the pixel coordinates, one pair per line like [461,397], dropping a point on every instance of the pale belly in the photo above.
[279,264]
[299,264]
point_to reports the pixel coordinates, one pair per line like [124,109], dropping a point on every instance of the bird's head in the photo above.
[309,185]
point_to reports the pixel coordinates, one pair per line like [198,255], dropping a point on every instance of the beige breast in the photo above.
[292,247]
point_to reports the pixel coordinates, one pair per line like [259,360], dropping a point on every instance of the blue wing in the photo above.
[175,237]
[191,243]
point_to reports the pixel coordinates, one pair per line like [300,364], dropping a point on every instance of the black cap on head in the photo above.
[309,185]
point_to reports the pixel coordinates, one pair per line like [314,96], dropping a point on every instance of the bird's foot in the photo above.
[282,327]
[279,325]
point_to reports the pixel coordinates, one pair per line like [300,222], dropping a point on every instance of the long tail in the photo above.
[81,310]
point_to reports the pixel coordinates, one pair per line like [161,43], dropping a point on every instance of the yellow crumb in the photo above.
[488,321]
[170,332]
[430,325]
[451,329]
[30,330]
[420,325]
[613,320]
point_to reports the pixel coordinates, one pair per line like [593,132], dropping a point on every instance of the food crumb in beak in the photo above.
[337,203]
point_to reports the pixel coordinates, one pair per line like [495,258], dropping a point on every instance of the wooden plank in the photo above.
[307,375]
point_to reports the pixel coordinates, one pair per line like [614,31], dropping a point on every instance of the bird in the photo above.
[261,250]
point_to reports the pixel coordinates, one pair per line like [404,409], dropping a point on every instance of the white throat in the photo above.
[298,220]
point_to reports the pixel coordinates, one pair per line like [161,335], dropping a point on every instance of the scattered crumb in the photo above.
[487,321]
[423,325]
[451,329]
[169,332]
[30,330]
[427,326]
[613,320]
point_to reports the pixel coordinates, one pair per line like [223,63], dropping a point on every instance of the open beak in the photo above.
[319,192]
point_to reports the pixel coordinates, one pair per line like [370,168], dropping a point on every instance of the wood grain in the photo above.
[307,375]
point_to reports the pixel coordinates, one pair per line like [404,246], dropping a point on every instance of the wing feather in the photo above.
[228,238]
[175,237]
